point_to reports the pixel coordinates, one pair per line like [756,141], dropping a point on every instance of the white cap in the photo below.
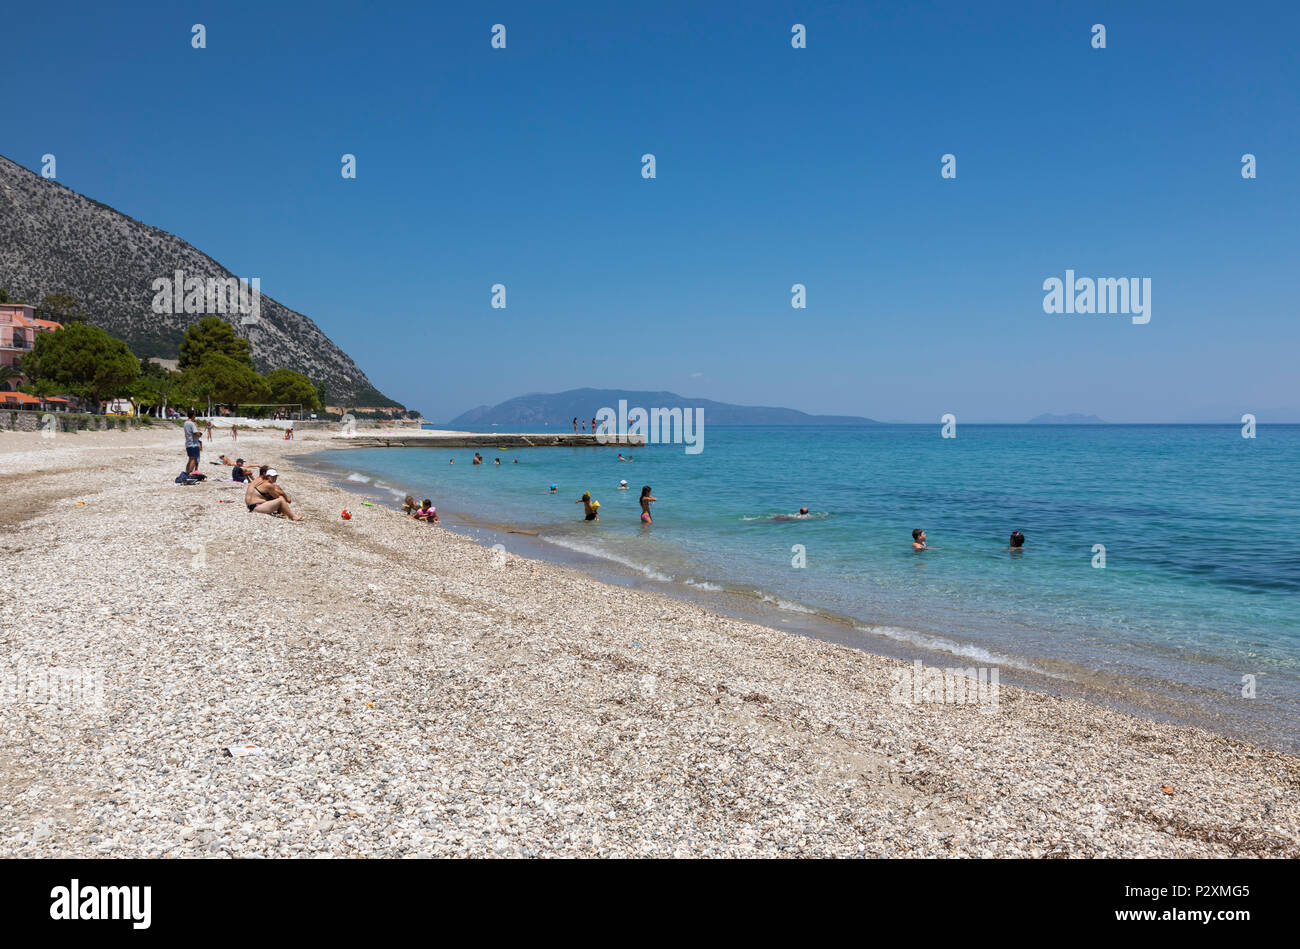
[272,473]
[624,481]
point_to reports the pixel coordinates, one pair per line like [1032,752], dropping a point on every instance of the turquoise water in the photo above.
[1202,562]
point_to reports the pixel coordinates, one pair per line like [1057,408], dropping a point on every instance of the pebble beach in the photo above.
[408,692]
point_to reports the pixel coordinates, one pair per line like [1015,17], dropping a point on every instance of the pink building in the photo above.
[18,329]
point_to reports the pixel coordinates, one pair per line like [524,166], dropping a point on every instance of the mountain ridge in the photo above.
[55,239]
[557,409]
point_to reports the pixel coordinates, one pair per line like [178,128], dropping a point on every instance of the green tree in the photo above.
[213,335]
[157,387]
[227,381]
[79,360]
[292,387]
[62,307]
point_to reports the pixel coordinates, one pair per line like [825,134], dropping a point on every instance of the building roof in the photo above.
[22,398]
[28,322]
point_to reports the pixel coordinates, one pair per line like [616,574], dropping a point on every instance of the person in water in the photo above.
[554,489]
[427,512]
[1017,540]
[592,508]
[646,500]
[622,485]
[803,512]
[918,539]
[497,461]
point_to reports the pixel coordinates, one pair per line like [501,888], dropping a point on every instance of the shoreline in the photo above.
[1156,699]
[417,694]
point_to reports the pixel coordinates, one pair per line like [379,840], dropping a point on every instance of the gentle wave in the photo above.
[592,550]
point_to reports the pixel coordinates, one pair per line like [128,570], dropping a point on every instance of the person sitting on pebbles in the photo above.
[264,496]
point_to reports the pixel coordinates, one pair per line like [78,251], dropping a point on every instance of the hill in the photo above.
[54,239]
[557,410]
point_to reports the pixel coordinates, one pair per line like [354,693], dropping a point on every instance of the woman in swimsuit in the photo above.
[646,500]
[264,497]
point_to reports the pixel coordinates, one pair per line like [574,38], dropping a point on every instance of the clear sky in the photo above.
[775,166]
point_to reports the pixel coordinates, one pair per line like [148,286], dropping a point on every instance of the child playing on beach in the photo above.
[427,512]
[591,507]
[409,506]
[646,501]
[918,539]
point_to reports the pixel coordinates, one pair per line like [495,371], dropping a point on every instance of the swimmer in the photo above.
[1017,540]
[803,512]
[918,539]
[622,485]
[646,500]
[554,489]
[451,461]
[497,462]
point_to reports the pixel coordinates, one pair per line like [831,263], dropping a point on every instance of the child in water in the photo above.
[646,501]
[590,506]
[427,512]
[918,539]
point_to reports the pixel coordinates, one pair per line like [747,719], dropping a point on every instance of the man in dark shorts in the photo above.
[193,444]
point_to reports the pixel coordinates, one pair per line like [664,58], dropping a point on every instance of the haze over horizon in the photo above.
[775,166]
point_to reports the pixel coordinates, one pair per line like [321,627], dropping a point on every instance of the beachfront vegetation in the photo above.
[213,335]
[82,361]
[292,388]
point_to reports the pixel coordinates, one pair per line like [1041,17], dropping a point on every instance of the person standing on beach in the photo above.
[193,444]
[234,432]
[593,426]
[575,425]
[211,437]
[646,501]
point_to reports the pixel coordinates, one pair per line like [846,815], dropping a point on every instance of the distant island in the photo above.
[1073,418]
[558,409]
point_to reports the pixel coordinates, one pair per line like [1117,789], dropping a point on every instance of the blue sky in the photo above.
[775,166]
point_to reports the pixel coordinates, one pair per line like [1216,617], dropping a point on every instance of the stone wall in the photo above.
[22,420]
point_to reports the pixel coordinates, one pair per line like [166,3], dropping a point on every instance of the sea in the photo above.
[1160,572]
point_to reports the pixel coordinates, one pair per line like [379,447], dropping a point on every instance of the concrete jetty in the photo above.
[426,439]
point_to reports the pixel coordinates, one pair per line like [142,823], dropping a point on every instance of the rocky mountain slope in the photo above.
[53,239]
